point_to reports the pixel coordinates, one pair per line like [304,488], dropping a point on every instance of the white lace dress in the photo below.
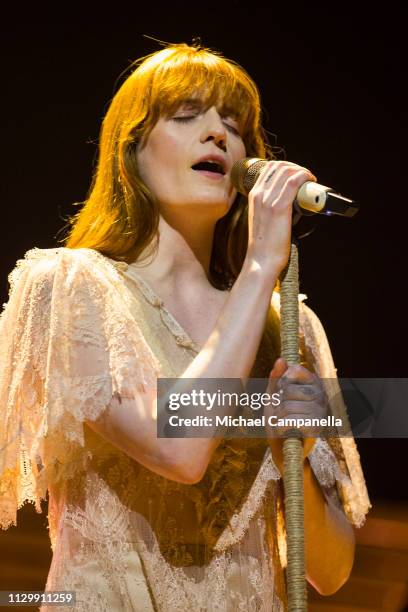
[80,332]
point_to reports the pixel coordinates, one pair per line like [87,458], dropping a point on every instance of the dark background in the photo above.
[332,87]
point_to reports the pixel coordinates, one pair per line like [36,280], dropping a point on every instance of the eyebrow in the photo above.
[229,112]
[197,103]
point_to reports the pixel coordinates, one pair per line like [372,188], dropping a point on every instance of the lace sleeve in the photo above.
[335,461]
[68,345]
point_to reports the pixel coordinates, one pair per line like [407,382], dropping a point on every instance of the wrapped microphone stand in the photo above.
[293,445]
[311,199]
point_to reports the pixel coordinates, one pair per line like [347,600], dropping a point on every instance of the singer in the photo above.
[166,271]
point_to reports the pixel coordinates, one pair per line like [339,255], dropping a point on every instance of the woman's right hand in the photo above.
[270,204]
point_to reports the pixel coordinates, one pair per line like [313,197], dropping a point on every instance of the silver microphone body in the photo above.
[311,196]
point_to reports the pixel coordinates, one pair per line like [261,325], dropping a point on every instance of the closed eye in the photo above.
[186,118]
[233,129]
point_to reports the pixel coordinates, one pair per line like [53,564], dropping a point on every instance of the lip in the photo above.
[213,176]
[212,157]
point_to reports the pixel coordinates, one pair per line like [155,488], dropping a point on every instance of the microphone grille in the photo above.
[245,172]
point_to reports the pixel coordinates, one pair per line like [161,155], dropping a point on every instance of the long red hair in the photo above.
[120,216]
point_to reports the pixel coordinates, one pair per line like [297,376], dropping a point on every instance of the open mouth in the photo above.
[209,166]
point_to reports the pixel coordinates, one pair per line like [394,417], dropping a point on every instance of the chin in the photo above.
[217,207]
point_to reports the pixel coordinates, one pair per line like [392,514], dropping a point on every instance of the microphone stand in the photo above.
[293,445]
[315,199]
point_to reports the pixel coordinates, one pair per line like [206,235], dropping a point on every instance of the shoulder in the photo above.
[41,267]
[48,259]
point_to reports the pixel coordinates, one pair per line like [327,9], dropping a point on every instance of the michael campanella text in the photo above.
[242,421]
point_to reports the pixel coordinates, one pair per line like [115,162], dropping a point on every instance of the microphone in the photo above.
[311,196]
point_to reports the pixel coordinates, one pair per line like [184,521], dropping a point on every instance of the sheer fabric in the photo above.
[81,332]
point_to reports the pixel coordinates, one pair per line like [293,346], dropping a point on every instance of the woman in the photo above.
[167,272]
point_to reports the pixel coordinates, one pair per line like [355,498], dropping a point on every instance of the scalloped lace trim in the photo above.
[325,465]
[239,522]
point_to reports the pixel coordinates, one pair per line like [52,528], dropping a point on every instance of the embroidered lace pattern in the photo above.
[351,486]
[81,332]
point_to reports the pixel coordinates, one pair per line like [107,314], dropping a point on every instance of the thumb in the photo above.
[279,368]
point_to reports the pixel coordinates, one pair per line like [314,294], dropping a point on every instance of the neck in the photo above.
[184,251]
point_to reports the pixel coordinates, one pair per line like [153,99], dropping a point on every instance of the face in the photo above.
[168,160]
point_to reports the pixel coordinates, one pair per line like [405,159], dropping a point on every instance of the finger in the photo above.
[296,409]
[304,392]
[299,409]
[279,368]
[275,168]
[274,184]
[282,178]
[298,374]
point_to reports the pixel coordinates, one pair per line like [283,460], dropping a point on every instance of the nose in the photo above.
[214,129]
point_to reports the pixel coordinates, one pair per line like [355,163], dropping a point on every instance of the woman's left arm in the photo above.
[329,536]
